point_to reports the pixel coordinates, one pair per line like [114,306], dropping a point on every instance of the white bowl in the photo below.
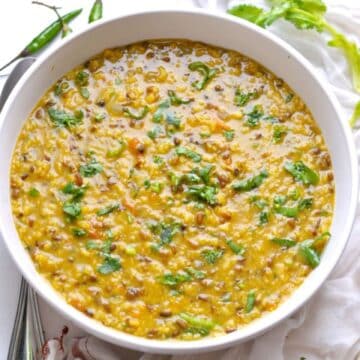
[224,31]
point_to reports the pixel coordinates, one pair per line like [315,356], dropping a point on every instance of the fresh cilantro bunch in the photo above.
[305,15]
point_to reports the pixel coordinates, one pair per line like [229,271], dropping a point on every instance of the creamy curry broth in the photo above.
[171,189]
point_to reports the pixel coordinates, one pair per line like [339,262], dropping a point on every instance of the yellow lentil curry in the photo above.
[171,189]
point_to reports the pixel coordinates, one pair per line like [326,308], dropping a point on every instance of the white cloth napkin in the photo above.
[328,327]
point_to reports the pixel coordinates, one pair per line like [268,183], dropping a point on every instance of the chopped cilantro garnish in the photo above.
[78,232]
[109,265]
[253,118]
[108,209]
[154,186]
[155,132]
[72,209]
[91,169]
[302,173]
[250,301]
[99,117]
[250,183]
[91,245]
[212,255]
[85,93]
[61,88]
[242,98]
[166,232]
[33,192]
[289,97]
[197,274]
[174,280]
[278,134]
[82,78]
[291,211]
[197,324]
[159,113]
[158,160]
[284,242]
[205,71]
[236,248]
[264,217]
[229,135]
[171,119]
[181,150]
[77,192]
[203,193]
[64,119]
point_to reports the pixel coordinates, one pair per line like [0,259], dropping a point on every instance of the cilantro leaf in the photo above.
[279,133]
[302,173]
[65,119]
[242,98]
[110,265]
[284,242]
[250,301]
[253,118]
[236,248]
[181,150]
[248,12]
[305,15]
[155,132]
[33,192]
[212,255]
[203,193]
[171,119]
[159,113]
[72,209]
[174,280]
[91,169]
[82,78]
[108,209]
[229,134]
[77,192]
[197,324]
[250,183]
[79,232]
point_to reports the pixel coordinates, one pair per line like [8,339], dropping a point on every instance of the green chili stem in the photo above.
[65,28]
[44,37]
[96,11]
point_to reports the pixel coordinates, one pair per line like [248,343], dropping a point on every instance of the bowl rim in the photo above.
[211,343]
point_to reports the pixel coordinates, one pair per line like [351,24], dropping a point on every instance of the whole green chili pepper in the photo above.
[44,37]
[96,11]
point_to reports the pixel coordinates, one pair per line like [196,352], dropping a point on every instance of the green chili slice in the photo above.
[138,116]
[250,301]
[205,71]
[251,182]
[302,173]
[96,11]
